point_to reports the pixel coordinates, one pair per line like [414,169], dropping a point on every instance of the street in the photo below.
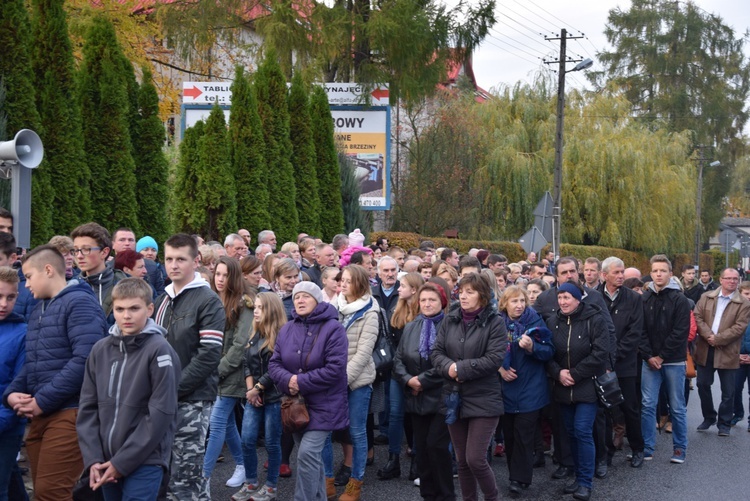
[717,468]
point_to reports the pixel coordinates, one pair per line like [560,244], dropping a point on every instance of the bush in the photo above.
[512,250]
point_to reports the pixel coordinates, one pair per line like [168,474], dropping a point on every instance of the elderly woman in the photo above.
[310,360]
[580,337]
[468,353]
[423,385]
[525,390]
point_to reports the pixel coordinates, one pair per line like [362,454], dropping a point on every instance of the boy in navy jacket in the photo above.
[128,406]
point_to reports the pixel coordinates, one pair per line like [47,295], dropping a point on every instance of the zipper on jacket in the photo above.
[570,331]
[117,400]
[112,373]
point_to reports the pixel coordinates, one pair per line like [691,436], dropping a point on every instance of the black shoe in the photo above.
[705,425]
[392,468]
[562,472]
[637,460]
[539,460]
[380,440]
[583,493]
[342,477]
[601,469]
[413,473]
[571,487]
[514,488]
[370,461]
[724,431]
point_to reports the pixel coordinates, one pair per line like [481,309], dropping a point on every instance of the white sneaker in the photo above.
[416,482]
[238,478]
[264,494]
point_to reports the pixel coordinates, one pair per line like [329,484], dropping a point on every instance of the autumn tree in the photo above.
[246,150]
[271,90]
[682,68]
[215,196]
[326,165]
[151,165]
[20,107]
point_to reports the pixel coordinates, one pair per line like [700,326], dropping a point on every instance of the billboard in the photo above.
[363,135]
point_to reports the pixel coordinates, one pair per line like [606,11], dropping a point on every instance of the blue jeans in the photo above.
[673,377]
[743,374]
[222,426]
[579,423]
[359,405]
[268,415]
[396,418]
[9,446]
[141,485]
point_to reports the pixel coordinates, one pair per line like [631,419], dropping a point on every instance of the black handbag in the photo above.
[608,389]
[383,352]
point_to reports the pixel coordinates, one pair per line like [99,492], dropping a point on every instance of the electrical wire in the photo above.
[517,48]
[517,42]
[487,40]
[527,19]
[537,39]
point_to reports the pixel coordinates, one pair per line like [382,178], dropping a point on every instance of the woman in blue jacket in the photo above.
[743,373]
[524,382]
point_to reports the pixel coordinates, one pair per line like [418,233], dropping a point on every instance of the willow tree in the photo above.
[246,150]
[683,68]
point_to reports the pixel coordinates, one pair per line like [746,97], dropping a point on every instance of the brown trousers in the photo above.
[54,455]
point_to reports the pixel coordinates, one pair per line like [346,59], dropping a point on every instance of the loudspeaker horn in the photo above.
[26,149]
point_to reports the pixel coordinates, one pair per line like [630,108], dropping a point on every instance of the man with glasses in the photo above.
[722,317]
[91,246]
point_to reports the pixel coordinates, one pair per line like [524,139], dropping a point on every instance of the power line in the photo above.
[518,48]
[536,39]
[526,18]
[517,41]
[548,12]
[487,40]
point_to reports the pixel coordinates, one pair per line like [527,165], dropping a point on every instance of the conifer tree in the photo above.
[106,113]
[326,165]
[54,73]
[215,196]
[150,162]
[247,147]
[354,216]
[182,203]
[272,107]
[303,157]
[4,183]
[20,107]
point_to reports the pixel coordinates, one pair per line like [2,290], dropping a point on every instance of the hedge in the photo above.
[712,260]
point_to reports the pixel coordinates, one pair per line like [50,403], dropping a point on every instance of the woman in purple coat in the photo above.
[310,359]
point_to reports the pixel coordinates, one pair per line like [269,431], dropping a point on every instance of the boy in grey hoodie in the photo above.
[128,405]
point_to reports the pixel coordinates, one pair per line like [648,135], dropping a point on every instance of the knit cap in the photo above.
[570,289]
[145,243]
[356,238]
[309,288]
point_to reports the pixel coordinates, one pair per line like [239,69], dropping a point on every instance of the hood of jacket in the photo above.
[129,343]
[582,312]
[198,281]
[100,282]
[673,284]
[76,284]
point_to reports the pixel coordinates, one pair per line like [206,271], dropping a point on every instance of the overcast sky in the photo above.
[516,44]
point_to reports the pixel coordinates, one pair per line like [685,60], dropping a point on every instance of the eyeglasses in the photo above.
[84,250]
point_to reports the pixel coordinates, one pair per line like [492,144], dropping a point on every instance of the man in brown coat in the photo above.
[722,316]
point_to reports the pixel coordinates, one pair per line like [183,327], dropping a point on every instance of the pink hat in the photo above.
[356,239]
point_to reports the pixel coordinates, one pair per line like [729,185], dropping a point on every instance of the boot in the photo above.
[662,422]
[413,472]
[330,489]
[392,468]
[353,491]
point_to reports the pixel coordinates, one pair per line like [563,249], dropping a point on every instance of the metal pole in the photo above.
[557,208]
[698,201]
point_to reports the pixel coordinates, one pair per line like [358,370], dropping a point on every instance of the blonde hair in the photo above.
[272,320]
[288,247]
[9,275]
[512,292]
[407,309]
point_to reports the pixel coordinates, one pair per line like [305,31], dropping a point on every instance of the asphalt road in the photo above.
[717,468]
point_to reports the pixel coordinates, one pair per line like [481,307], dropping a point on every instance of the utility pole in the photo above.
[557,193]
[699,202]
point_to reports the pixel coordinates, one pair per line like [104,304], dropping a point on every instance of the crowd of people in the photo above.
[126,374]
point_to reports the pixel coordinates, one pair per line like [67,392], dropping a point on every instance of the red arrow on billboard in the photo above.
[194,92]
[380,93]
